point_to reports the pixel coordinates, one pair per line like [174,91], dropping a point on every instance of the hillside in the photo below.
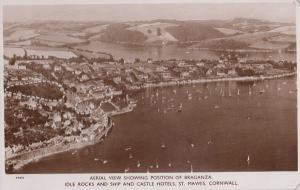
[222,44]
[156,32]
[191,31]
[119,33]
[237,33]
[258,40]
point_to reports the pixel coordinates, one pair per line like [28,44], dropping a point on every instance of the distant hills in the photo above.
[191,31]
[119,33]
[233,34]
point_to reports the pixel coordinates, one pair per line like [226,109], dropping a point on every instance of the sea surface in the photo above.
[222,126]
[130,52]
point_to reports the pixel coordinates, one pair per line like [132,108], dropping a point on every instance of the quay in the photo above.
[120,111]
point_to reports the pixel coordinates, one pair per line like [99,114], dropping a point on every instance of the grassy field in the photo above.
[222,44]
[189,31]
[283,38]
[228,31]
[290,30]
[150,30]
[20,35]
[95,29]
[241,32]
[258,40]
[252,38]
[59,38]
[10,51]
[118,33]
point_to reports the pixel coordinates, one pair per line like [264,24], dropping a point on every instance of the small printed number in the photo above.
[20,177]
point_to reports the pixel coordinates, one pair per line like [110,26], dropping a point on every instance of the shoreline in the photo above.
[244,50]
[210,80]
[20,160]
[67,48]
[18,163]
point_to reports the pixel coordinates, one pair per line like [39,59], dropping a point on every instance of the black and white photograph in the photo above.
[150,88]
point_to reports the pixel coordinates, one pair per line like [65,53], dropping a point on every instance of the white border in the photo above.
[246,180]
[45,2]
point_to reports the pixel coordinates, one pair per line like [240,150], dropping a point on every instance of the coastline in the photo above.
[243,50]
[209,80]
[20,160]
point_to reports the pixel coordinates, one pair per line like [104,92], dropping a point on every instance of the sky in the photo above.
[282,12]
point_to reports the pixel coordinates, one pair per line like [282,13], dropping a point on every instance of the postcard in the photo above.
[149,95]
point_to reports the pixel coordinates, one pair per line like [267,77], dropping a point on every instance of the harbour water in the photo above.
[222,126]
[130,52]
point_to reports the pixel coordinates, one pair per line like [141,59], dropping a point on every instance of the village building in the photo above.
[57,68]
[46,66]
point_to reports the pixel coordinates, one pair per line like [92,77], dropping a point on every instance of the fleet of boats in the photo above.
[158,99]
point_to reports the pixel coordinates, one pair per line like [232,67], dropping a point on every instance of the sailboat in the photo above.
[250,91]
[104,161]
[192,145]
[126,170]
[238,92]
[180,108]
[261,91]
[130,156]
[163,145]
[216,107]
[138,164]
[169,164]
[248,160]
[156,165]
[191,168]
